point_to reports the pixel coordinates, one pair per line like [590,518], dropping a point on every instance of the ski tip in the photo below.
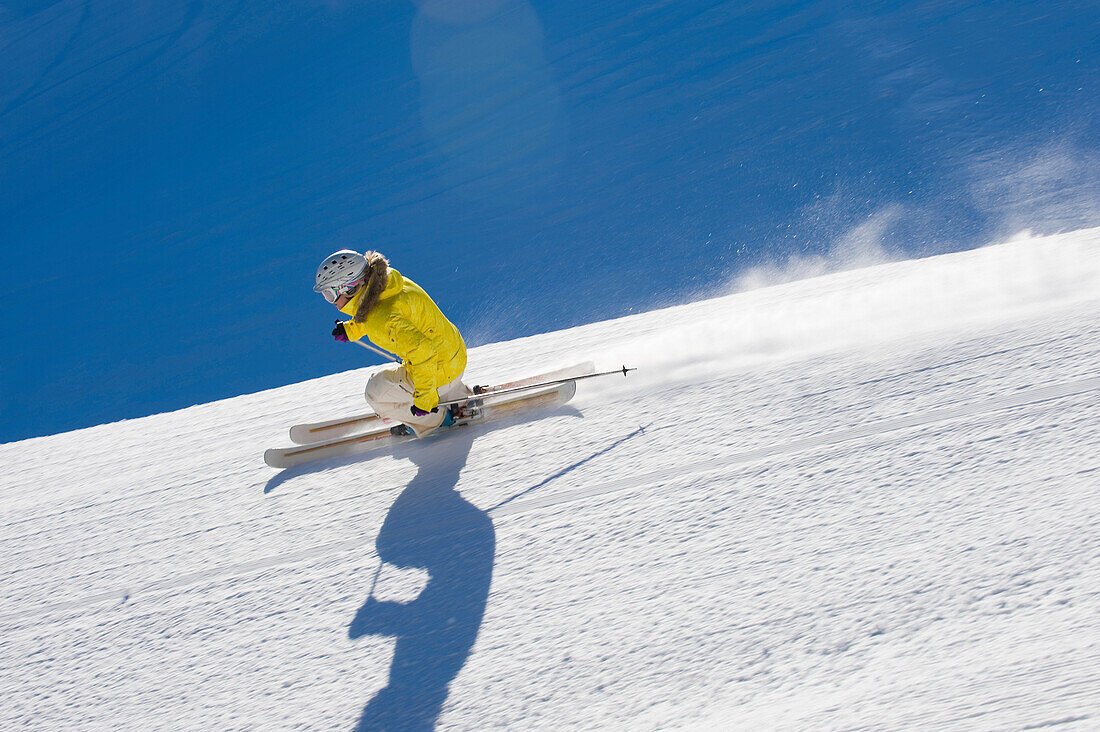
[302,435]
[270,458]
[568,391]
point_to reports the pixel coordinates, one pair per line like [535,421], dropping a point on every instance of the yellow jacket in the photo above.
[396,314]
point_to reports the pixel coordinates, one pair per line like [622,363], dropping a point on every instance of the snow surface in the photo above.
[864,500]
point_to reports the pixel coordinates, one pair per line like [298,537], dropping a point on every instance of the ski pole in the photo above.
[371,347]
[374,582]
[484,392]
[379,351]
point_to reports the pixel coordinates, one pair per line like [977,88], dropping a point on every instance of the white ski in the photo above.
[486,407]
[307,434]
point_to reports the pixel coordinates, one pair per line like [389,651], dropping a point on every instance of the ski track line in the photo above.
[183,580]
[1022,398]
[1031,396]
[1042,346]
[795,536]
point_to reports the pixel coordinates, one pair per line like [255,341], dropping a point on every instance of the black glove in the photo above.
[418,412]
[339,333]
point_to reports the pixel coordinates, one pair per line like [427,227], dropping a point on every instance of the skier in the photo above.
[397,315]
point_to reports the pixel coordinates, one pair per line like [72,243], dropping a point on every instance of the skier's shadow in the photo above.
[430,526]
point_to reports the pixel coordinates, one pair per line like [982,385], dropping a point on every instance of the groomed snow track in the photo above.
[865,501]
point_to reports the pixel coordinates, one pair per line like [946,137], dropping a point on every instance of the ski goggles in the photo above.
[332,294]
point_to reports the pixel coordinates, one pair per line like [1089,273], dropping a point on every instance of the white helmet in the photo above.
[340,274]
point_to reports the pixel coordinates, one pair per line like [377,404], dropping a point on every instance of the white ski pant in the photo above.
[390,394]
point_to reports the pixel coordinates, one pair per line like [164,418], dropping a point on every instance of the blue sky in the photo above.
[173,172]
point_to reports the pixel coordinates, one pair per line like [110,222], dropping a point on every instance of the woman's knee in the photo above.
[389,386]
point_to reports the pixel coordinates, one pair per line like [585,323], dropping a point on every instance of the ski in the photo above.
[307,434]
[483,408]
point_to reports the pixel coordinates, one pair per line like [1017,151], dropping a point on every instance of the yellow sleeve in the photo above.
[354,330]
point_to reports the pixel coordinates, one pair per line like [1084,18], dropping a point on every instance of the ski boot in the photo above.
[463,413]
[452,415]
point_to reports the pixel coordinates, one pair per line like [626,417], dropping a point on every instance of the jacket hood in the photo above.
[381,282]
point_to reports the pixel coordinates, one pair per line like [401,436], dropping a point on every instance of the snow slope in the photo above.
[865,500]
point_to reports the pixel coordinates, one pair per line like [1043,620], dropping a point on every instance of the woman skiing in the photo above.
[397,315]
